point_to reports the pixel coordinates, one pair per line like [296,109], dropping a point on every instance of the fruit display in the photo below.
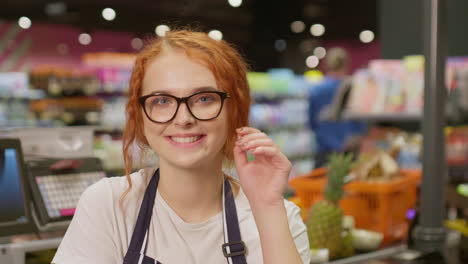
[325,221]
[378,166]
[366,240]
[347,245]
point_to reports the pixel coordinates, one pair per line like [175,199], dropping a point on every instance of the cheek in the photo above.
[222,128]
[152,132]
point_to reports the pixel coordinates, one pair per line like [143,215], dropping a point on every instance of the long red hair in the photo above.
[226,64]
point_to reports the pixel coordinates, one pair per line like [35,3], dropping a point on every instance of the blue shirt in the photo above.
[330,135]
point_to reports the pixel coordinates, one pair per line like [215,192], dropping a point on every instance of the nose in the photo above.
[183,116]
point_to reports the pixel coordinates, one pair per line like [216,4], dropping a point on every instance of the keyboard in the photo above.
[62,192]
[57,185]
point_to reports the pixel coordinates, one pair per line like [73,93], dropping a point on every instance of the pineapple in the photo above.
[325,220]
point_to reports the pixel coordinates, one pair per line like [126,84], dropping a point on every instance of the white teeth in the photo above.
[185,139]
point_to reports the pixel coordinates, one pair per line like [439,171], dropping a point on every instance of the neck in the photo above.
[193,193]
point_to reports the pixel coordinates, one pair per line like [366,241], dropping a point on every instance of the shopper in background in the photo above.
[189,102]
[332,136]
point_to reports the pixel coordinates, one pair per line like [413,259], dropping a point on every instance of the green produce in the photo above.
[324,224]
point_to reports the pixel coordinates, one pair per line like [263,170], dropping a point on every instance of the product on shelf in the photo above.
[112,69]
[70,110]
[61,81]
[108,148]
[389,76]
[288,112]
[14,100]
[324,225]
[365,97]
[91,93]
[280,108]
[396,87]
[279,82]
[457,146]
[14,112]
[413,83]
[14,84]
[106,59]
[457,154]
[113,113]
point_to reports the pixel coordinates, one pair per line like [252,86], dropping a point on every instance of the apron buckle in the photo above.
[236,248]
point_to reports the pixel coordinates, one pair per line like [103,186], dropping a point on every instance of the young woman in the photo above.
[189,102]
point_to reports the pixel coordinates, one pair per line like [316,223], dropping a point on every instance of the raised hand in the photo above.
[264,179]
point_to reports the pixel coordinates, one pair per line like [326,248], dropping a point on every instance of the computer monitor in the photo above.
[15,214]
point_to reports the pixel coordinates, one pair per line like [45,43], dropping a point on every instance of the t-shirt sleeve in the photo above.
[90,236]
[298,231]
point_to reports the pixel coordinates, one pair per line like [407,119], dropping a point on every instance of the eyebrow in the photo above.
[194,90]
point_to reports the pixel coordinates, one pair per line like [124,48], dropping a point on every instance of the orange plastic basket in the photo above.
[381,207]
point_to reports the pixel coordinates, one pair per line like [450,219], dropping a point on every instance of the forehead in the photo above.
[175,73]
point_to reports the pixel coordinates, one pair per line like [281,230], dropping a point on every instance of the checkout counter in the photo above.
[38,199]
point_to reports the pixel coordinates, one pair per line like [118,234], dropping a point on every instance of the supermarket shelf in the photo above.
[279,128]
[384,117]
[379,254]
[266,97]
[108,129]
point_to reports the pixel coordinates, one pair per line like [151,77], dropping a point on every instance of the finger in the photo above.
[247,130]
[254,143]
[265,150]
[240,157]
[272,153]
[252,136]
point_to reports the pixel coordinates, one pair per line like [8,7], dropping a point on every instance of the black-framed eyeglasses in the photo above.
[203,106]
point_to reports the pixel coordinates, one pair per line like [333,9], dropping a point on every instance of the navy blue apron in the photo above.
[234,248]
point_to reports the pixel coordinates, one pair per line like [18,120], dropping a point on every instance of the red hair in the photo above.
[226,64]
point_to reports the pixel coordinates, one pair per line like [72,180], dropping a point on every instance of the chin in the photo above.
[190,161]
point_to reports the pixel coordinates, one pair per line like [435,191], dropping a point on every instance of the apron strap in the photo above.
[233,249]
[236,246]
[143,221]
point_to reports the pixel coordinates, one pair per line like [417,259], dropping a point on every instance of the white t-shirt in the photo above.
[101,229]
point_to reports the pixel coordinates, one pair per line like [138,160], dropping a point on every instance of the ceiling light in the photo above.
[137,43]
[297,26]
[108,14]
[280,45]
[215,34]
[161,30]
[320,52]
[312,62]
[85,39]
[366,36]
[24,22]
[235,3]
[317,30]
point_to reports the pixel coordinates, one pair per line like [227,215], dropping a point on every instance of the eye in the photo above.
[206,98]
[160,100]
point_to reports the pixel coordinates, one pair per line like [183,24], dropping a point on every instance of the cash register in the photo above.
[38,196]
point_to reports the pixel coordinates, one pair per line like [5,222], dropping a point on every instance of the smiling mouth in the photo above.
[185,140]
